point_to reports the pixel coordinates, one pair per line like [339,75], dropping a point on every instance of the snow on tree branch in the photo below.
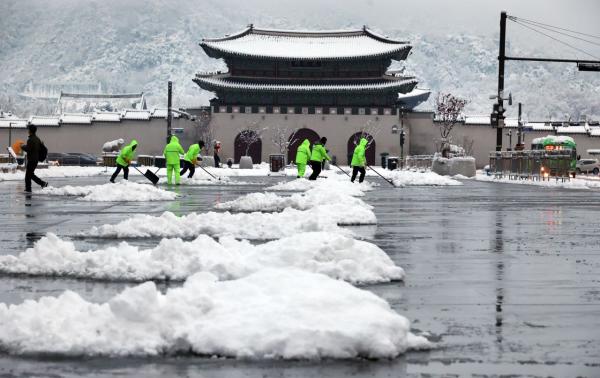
[251,134]
[449,111]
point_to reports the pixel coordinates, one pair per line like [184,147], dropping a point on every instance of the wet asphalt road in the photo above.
[504,277]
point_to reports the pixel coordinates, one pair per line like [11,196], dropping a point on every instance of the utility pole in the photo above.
[501,58]
[10,134]
[169,103]
[520,133]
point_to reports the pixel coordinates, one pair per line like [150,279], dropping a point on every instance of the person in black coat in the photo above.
[32,148]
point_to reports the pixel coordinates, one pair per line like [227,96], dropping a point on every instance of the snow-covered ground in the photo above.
[274,313]
[301,201]
[334,255]
[242,225]
[574,183]
[417,178]
[334,183]
[58,172]
[121,191]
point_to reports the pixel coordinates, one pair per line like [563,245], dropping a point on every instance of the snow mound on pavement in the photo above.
[332,184]
[58,172]
[269,202]
[203,180]
[122,191]
[413,178]
[274,313]
[241,225]
[336,256]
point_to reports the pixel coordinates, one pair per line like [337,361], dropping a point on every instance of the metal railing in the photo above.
[531,165]
[419,162]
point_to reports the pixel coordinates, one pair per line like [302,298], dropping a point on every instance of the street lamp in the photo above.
[10,133]
[509,134]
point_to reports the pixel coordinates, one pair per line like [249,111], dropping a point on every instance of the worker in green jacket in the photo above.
[191,157]
[317,157]
[172,152]
[359,161]
[302,157]
[124,159]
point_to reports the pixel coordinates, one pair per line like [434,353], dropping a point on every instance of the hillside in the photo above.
[134,45]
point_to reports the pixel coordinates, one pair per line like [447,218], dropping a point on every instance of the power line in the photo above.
[558,32]
[552,26]
[556,39]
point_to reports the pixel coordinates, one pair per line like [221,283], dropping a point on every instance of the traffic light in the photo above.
[402,136]
[497,114]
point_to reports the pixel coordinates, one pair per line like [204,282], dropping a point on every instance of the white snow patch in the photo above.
[121,191]
[58,172]
[334,255]
[274,313]
[334,184]
[415,178]
[205,180]
[301,201]
[552,183]
[241,225]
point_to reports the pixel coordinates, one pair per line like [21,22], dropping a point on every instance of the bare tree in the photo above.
[449,109]
[283,137]
[204,130]
[251,134]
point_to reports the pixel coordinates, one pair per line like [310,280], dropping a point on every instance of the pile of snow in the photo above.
[205,180]
[274,313]
[415,178]
[551,183]
[334,255]
[240,225]
[301,201]
[121,191]
[333,184]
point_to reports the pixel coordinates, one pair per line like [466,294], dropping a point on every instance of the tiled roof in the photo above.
[135,114]
[299,45]
[106,117]
[44,121]
[76,118]
[13,122]
[217,82]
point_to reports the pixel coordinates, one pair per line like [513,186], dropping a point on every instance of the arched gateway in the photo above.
[297,138]
[371,147]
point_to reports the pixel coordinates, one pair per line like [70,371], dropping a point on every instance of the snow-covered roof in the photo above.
[135,114]
[44,120]
[162,113]
[571,130]
[414,97]
[13,122]
[76,118]
[107,117]
[477,120]
[559,139]
[300,45]
[540,126]
[595,131]
[212,83]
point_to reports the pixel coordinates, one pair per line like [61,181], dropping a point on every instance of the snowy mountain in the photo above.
[135,45]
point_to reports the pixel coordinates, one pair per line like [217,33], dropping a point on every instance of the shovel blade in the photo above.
[151,176]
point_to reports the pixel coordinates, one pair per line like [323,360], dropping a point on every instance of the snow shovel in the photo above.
[347,174]
[378,174]
[149,175]
[210,174]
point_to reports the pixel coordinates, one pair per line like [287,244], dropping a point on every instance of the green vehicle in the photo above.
[554,161]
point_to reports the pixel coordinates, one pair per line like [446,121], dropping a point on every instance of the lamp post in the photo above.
[509,133]
[10,134]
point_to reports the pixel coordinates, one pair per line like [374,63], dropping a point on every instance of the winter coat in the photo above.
[127,154]
[32,148]
[318,153]
[192,153]
[303,153]
[358,157]
[173,150]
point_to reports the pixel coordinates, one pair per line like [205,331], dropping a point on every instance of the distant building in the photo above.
[330,83]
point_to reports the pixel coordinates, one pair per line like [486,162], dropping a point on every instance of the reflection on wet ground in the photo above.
[504,277]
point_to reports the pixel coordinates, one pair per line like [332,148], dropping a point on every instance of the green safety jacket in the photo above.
[192,153]
[318,153]
[303,153]
[173,150]
[127,154]
[358,157]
